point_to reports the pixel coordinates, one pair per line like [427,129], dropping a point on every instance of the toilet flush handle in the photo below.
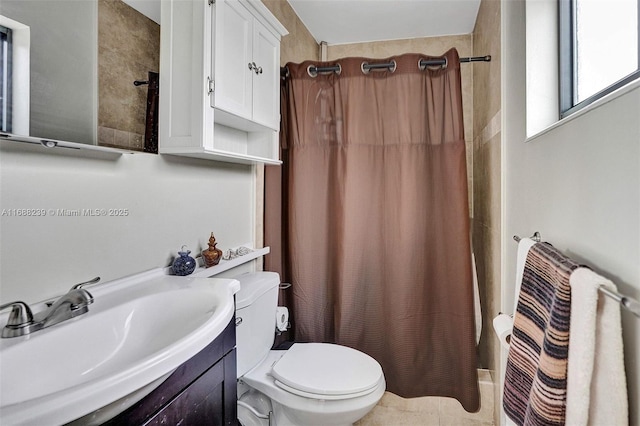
[238,321]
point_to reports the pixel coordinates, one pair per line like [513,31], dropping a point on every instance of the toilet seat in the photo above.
[326,371]
[321,396]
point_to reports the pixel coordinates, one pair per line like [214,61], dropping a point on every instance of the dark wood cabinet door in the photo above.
[199,404]
[202,391]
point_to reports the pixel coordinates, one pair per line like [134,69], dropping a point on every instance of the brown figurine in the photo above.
[212,255]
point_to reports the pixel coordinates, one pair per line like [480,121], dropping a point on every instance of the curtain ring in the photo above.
[284,73]
[424,67]
[364,70]
[312,70]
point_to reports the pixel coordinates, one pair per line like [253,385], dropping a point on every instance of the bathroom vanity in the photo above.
[151,348]
[200,391]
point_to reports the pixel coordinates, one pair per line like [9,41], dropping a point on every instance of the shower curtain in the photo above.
[369,220]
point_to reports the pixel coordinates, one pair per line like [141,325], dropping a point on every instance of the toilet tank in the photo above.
[256,304]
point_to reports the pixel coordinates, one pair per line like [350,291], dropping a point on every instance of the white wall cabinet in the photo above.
[246,67]
[219,80]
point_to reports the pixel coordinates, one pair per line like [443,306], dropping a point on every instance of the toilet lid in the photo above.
[326,369]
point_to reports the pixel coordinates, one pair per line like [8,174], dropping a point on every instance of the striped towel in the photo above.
[535,385]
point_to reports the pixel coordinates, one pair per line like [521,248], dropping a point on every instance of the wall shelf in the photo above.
[214,154]
[225,265]
[58,146]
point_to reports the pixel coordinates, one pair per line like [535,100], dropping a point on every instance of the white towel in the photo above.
[596,382]
[523,249]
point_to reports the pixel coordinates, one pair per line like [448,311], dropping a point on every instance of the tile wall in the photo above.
[299,45]
[487,195]
[128,48]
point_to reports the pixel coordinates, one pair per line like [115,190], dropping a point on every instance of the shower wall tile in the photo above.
[382,49]
[120,139]
[487,79]
[106,136]
[299,45]
[487,169]
[128,48]
[487,182]
[136,141]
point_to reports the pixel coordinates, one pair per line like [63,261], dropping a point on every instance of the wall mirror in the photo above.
[81,71]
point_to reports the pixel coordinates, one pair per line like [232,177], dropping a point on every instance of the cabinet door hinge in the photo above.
[211,85]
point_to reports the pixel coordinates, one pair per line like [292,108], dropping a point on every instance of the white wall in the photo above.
[578,184]
[171,201]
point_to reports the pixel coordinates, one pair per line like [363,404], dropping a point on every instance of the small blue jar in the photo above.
[183,264]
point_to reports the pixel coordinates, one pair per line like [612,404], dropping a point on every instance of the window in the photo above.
[5,78]
[599,49]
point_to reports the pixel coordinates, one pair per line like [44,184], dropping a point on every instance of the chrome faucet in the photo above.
[22,321]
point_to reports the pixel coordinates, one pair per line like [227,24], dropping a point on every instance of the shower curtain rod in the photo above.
[366,67]
[626,302]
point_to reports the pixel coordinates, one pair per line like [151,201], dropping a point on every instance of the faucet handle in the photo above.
[79,303]
[90,282]
[20,313]
[20,318]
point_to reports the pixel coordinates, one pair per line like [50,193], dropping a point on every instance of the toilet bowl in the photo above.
[308,384]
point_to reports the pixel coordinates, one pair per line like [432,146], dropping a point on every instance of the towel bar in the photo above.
[535,237]
[626,302]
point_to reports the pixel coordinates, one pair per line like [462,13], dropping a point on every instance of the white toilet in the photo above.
[309,384]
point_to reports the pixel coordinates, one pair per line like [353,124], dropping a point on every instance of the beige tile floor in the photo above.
[393,410]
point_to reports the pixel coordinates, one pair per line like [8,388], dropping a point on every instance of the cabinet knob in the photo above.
[259,70]
[251,65]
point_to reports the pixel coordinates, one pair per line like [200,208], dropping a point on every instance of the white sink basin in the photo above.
[137,331]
